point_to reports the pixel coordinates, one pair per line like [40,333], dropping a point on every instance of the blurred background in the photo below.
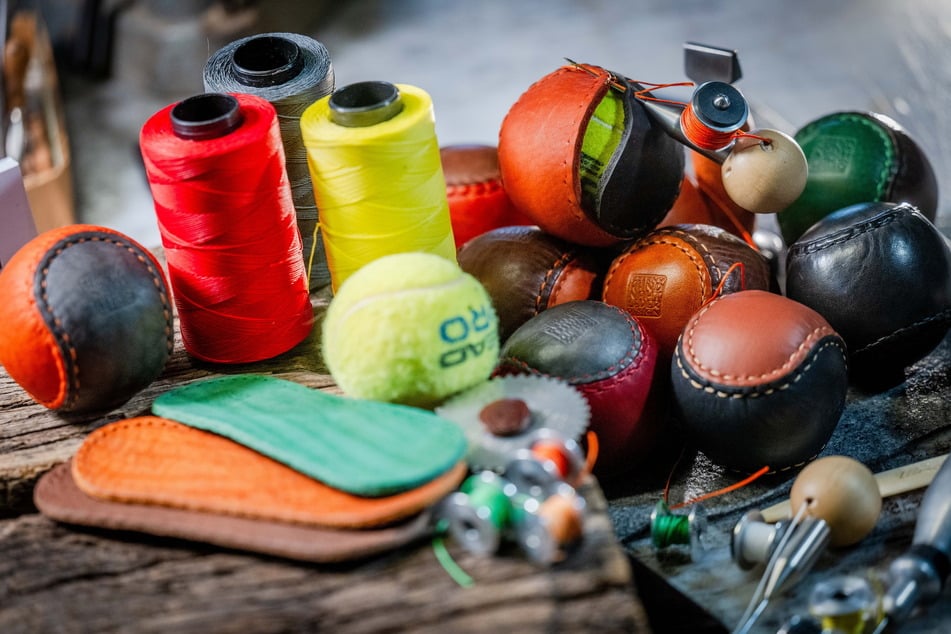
[118,61]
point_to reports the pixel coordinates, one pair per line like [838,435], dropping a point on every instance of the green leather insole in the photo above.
[366,448]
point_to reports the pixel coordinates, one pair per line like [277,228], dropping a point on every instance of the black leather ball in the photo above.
[880,273]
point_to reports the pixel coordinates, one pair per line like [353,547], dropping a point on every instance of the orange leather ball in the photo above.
[663,278]
[87,318]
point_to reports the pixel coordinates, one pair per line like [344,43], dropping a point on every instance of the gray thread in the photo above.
[290,99]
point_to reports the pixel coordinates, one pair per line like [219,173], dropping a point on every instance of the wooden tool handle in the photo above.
[892,482]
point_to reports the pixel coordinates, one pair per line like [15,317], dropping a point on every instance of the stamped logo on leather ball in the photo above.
[832,155]
[645,291]
[572,325]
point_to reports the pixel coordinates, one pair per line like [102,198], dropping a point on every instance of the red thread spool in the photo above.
[215,165]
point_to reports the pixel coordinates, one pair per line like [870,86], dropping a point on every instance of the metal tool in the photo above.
[801,545]
[917,577]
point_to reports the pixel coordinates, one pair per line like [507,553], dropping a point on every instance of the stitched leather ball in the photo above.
[858,157]
[758,380]
[87,319]
[586,163]
[606,355]
[526,271]
[880,273]
[663,278]
[477,201]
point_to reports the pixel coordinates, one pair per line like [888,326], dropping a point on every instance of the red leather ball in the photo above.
[758,380]
[606,355]
[477,200]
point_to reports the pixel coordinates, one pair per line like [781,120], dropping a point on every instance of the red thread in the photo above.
[228,225]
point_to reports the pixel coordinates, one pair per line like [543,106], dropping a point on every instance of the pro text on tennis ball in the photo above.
[410,328]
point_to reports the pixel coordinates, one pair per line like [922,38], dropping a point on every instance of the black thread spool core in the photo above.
[207,116]
[266,61]
[719,106]
[365,103]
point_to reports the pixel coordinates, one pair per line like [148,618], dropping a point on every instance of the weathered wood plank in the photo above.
[59,579]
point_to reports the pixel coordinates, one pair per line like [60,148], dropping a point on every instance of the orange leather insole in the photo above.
[152,460]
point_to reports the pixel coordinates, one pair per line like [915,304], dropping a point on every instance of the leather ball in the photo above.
[477,201]
[606,355]
[87,318]
[758,380]
[880,273]
[586,163]
[666,276]
[858,157]
[527,271]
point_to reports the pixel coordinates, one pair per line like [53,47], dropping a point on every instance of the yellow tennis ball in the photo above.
[410,328]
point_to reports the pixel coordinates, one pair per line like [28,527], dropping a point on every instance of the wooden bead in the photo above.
[765,177]
[843,492]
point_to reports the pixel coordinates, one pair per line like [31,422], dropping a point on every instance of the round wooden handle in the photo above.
[765,177]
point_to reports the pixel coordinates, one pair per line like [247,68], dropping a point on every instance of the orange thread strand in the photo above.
[726,207]
[592,456]
[733,487]
[556,454]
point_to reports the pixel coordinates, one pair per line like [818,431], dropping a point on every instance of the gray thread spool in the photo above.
[290,71]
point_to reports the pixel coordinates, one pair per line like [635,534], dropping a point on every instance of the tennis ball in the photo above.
[410,328]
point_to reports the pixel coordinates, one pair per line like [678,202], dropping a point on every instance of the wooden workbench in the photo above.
[58,578]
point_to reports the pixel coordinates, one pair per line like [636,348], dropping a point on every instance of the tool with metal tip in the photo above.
[796,554]
[917,577]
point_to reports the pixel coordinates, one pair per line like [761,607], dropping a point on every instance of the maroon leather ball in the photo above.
[526,271]
[759,380]
[605,354]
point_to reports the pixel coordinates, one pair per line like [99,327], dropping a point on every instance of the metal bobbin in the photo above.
[540,477]
[545,529]
[719,106]
[844,603]
[668,529]
[480,512]
[754,540]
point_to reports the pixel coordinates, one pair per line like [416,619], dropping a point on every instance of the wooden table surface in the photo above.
[57,578]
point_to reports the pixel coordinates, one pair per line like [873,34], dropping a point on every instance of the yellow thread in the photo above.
[380,189]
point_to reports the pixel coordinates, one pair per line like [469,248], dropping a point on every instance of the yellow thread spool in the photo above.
[378,183]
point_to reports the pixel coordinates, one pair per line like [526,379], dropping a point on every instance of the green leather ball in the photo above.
[858,157]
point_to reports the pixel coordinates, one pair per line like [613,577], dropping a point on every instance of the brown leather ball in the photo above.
[527,271]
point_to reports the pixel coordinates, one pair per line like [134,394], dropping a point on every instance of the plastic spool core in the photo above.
[365,104]
[267,61]
[206,116]
[720,106]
